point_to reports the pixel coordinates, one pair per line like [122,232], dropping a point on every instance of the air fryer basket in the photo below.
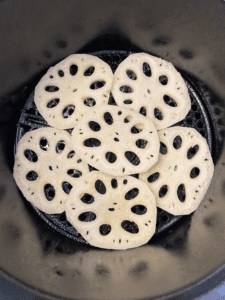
[43,252]
[31,119]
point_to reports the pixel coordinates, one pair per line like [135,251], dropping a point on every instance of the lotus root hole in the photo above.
[44,144]
[74,173]
[108,118]
[67,187]
[71,154]
[146,69]
[60,147]
[131,194]
[92,142]
[31,155]
[169,101]
[130,226]
[87,216]
[100,187]
[52,103]
[97,85]
[181,192]
[132,158]
[111,157]
[114,183]
[153,177]
[177,142]
[60,73]
[94,126]
[163,79]
[163,191]
[158,114]
[73,70]
[105,229]
[32,176]
[143,111]
[194,172]
[141,143]
[49,191]
[139,209]
[192,151]
[127,119]
[89,71]
[68,111]
[89,102]
[87,198]
[128,101]
[131,74]
[137,128]
[51,88]
[126,89]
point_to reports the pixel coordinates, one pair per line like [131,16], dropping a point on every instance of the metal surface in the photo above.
[175,261]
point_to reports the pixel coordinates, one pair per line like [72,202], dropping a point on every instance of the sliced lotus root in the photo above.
[71,87]
[46,168]
[182,175]
[116,140]
[112,212]
[152,87]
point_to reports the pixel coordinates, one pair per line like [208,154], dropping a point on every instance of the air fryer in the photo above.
[44,253]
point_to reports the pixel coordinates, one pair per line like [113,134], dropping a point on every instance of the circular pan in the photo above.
[197,118]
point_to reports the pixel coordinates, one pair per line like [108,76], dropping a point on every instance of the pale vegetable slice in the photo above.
[153,87]
[112,212]
[71,87]
[183,173]
[116,140]
[46,168]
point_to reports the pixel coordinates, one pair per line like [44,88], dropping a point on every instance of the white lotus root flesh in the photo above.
[152,87]
[116,140]
[183,173]
[112,213]
[46,168]
[71,87]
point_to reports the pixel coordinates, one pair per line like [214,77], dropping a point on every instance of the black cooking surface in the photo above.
[197,118]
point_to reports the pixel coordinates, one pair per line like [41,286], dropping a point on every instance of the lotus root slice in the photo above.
[46,168]
[116,140]
[112,212]
[71,88]
[182,175]
[153,87]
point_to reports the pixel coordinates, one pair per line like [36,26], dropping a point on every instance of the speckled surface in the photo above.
[49,262]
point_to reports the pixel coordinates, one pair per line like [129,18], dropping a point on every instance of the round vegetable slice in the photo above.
[71,88]
[183,173]
[152,87]
[116,218]
[46,168]
[116,140]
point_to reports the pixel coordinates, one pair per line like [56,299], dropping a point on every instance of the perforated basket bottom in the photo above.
[30,119]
